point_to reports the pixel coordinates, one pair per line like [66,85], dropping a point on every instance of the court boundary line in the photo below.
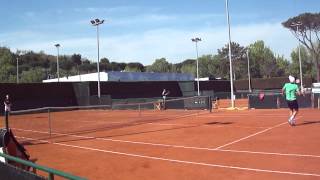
[183,161]
[179,146]
[218,125]
[252,135]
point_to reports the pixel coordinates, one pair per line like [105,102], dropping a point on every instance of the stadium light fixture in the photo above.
[97,22]
[230,61]
[196,40]
[297,25]
[58,74]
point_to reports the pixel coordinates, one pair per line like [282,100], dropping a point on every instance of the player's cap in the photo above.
[291,79]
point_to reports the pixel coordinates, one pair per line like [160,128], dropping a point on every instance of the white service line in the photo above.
[184,162]
[179,146]
[233,142]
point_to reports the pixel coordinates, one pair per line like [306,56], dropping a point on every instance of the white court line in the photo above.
[171,124]
[184,162]
[95,121]
[237,115]
[180,146]
[233,142]
[213,125]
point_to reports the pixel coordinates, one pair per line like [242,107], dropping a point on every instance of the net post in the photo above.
[278,102]
[319,102]
[51,176]
[49,121]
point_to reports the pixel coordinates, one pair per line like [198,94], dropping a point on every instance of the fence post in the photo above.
[49,118]
[210,104]
[312,100]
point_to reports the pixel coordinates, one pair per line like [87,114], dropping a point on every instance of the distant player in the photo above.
[165,93]
[291,90]
[7,109]
[7,104]
[261,96]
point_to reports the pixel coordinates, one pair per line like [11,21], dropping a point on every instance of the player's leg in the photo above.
[293,121]
[290,106]
[295,111]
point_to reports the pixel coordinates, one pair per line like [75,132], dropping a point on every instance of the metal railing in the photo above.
[51,172]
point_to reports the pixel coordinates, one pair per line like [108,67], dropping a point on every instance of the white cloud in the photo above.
[147,19]
[116,9]
[145,47]
[176,45]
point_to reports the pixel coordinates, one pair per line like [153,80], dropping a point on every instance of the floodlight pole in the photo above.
[230,61]
[297,24]
[249,76]
[58,74]
[97,22]
[196,40]
[17,69]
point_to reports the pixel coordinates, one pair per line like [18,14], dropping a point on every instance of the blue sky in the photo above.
[144,30]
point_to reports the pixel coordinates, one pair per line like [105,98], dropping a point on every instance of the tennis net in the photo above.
[53,122]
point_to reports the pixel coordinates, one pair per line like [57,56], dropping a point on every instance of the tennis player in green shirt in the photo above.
[291,90]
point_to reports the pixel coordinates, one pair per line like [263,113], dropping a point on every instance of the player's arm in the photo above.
[167,93]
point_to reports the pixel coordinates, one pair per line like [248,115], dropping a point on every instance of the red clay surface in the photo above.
[175,144]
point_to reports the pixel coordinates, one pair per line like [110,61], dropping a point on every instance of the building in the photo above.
[125,77]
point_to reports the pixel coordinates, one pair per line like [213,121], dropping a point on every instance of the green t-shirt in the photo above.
[290,89]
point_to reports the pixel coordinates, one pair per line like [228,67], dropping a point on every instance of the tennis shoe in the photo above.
[290,120]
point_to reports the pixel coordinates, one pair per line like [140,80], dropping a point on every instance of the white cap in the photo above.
[291,79]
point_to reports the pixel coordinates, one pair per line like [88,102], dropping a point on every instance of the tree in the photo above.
[7,67]
[134,67]
[308,34]
[206,66]
[76,59]
[114,66]
[308,69]
[262,60]
[104,64]
[237,57]
[86,66]
[34,75]
[282,67]
[47,66]
[66,65]
[189,68]
[160,65]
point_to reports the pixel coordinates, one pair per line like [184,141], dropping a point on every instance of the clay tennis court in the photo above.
[175,144]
